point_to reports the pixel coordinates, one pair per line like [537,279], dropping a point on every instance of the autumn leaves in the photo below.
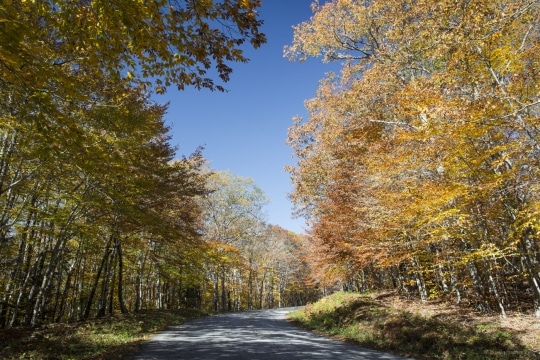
[418,164]
[95,213]
[417,167]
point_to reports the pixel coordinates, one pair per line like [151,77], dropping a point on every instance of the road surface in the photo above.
[260,335]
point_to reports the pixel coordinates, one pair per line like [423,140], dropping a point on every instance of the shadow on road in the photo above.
[261,335]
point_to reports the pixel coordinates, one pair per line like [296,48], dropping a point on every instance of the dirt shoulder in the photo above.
[432,330]
[523,326]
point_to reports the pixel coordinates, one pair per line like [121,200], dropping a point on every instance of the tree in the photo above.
[55,54]
[172,43]
[420,159]
[74,225]
[283,255]
[90,197]
[249,263]
[233,213]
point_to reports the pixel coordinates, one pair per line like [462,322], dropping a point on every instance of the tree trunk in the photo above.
[532,269]
[93,289]
[13,276]
[113,277]
[107,275]
[29,270]
[123,308]
[419,279]
[216,291]
[250,286]
[497,297]
[223,291]
[261,290]
[38,312]
[479,287]
[139,282]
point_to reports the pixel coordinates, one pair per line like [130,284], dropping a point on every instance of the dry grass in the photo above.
[434,330]
[524,327]
[114,337]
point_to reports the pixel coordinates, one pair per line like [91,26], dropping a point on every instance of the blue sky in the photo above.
[245,129]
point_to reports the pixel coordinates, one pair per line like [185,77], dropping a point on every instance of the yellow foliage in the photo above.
[428,139]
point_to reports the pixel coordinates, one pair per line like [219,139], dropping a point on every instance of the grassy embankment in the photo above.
[109,338]
[431,331]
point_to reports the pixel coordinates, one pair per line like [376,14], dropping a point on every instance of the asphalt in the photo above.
[253,335]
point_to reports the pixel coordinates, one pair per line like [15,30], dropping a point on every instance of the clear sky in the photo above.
[245,129]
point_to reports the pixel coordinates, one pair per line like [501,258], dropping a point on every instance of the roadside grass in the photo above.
[375,323]
[113,337]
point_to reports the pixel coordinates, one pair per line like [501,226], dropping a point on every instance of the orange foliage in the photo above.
[421,157]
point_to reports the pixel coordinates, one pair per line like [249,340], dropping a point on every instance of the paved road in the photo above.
[260,335]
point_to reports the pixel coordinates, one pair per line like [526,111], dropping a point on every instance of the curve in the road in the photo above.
[261,335]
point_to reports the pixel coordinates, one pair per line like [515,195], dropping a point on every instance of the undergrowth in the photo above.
[113,337]
[371,323]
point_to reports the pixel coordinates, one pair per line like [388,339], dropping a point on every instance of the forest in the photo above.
[97,213]
[418,165]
